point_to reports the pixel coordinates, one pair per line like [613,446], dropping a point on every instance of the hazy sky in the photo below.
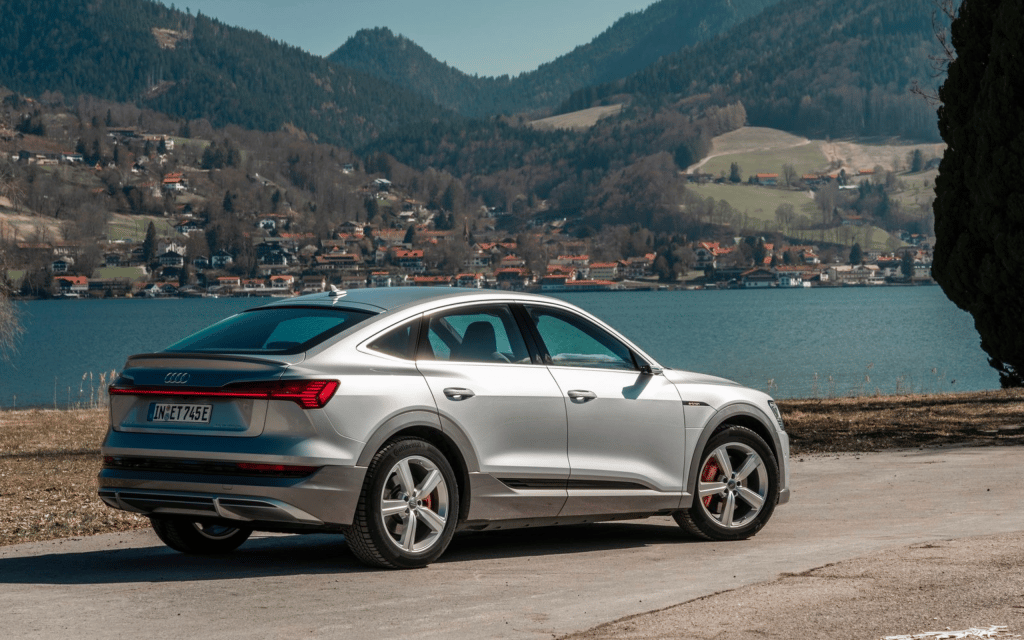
[475,36]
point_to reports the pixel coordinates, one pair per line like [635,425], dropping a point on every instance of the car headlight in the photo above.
[778,414]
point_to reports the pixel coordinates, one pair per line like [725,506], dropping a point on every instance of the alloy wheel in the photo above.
[414,504]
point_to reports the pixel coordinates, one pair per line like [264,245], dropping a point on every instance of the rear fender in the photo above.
[416,419]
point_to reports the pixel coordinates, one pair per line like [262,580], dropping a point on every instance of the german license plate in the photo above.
[172,412]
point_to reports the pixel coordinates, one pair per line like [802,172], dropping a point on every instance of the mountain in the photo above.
[191,67]
[820,68]
[635,41]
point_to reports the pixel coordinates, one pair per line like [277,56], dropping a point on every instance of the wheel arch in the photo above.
[425,427]
[741,415]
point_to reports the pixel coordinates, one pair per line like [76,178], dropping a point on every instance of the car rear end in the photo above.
[225,427]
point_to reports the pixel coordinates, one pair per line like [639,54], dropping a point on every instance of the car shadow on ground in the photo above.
[314,555]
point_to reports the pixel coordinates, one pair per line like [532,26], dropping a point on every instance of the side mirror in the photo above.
[648,370]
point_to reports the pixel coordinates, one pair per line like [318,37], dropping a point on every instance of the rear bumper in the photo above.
[327,499]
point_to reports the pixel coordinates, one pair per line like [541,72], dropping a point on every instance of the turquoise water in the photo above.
[793,343]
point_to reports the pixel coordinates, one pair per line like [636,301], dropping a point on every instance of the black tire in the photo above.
[741,506]
[380,532]
[189,536]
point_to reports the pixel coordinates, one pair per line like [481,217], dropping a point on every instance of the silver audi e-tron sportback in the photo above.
[399,416]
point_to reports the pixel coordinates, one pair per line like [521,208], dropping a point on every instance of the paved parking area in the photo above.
[532,583]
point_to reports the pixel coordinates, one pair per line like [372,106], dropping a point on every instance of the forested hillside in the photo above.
[635,41]
[191,66]
[816,67]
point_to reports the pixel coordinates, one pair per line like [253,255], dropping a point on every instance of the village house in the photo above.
[564,272]
[512,278]
[478,259]
[175,182]
[604,270]
[221,259]
[229,282]
[469,280]
[171,259]
[283,281]
[61,265]
[409,259]
[757,278]
[314,284]
[71,285]
[65,248]
[432,281]
[337,260]
[512,261]
[638,266]
[186,226]
[381,279]
[855,274]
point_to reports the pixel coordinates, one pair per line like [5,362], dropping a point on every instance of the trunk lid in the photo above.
[164,393]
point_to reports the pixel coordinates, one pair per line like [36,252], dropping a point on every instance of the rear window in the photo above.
[278,330]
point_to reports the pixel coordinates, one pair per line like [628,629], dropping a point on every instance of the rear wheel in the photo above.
[187,536]
[408,508]
[737,487]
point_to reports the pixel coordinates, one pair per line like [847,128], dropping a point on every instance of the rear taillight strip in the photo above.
[308,394]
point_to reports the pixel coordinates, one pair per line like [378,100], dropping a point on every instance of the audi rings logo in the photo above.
[178,377]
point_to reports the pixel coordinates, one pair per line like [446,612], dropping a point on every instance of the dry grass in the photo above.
[49,459]
[895,422]
[48,466]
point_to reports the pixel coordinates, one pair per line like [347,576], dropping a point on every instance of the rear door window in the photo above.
[476,334]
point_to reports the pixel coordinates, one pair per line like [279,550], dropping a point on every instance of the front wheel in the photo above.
[737,487]
[408,508]
[187,536]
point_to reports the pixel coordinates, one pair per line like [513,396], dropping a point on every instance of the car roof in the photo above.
[389,298]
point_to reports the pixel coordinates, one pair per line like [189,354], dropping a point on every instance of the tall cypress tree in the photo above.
[149,244]
[979,206]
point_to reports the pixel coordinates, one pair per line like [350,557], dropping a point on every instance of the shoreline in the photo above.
[581,287]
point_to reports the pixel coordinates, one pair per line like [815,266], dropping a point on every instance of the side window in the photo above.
[399,342]
[476,334]
[572,341]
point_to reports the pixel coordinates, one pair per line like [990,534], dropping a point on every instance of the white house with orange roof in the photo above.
[604,270]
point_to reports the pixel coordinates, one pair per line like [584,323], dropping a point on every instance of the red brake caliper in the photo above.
[709,474]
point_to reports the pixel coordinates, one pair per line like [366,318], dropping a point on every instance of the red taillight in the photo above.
[308,394]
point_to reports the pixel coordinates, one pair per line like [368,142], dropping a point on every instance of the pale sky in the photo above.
[475,36]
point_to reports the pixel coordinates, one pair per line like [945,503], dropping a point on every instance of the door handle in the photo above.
[458,393]
[582,395]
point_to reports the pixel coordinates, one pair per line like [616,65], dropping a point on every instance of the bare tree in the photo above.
[944,13]
[10,324]
[789,175]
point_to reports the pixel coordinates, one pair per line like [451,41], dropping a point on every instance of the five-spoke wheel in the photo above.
[408,507]
[737,487]
[414,504]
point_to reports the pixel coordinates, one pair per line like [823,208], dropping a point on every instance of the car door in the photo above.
[625,426]
[487,386]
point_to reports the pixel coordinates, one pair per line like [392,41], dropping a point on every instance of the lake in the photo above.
[792,343]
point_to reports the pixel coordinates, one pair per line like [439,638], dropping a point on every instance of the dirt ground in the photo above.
[908,592]
[49,459]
